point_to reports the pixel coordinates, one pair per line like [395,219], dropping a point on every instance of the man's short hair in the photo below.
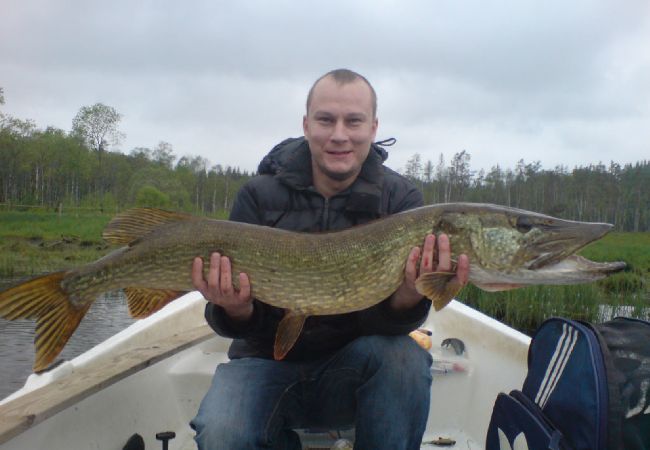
[345,76]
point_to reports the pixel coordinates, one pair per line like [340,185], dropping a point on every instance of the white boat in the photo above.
[151,377]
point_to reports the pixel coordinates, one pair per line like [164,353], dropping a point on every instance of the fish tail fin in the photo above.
[57,318]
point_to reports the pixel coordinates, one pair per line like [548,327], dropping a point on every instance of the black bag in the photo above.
[587,388]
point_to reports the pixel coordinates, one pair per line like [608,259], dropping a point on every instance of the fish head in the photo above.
[509,247]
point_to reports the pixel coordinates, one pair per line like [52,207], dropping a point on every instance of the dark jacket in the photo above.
[283,196]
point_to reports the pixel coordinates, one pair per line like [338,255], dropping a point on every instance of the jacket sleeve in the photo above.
[244,210]
[381,319]
[407,197]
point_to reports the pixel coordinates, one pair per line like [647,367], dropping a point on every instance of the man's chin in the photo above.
[339,175]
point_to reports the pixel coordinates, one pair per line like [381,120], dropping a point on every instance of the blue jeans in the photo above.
[378,384]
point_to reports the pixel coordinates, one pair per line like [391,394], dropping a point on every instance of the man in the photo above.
[349,370]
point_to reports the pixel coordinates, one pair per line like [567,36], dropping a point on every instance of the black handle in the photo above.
[165,437]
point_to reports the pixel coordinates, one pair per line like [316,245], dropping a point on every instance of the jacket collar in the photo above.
[293,168]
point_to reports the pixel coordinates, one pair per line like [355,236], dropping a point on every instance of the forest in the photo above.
[57,169]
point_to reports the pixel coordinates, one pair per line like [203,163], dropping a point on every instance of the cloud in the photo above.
[560,82]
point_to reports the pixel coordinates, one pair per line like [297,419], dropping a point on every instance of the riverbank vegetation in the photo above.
[34,242]
[82,169]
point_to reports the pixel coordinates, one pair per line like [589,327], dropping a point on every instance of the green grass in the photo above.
[50,226]
[34,242]
[37,242]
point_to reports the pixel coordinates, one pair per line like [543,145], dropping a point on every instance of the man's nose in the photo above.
[340,132]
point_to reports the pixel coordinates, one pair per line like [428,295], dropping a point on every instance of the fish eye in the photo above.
[524,224]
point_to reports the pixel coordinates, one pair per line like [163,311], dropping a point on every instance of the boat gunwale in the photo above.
[23,412]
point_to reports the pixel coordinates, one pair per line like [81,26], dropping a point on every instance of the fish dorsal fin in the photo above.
[134,223]
[143,302]
[439,287]
[289,329]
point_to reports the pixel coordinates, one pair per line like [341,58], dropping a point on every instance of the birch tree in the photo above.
[97,126]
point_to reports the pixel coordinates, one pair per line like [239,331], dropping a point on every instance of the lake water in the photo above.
[106,317]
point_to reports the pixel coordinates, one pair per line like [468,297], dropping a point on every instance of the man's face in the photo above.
[339,127]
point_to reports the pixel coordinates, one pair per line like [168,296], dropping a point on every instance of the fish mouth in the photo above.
[563,241]
[581,265]
[573,269]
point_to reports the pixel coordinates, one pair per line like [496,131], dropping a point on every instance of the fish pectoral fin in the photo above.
[134,223]
[56,317]
[289,329]
[143,302]
[439,287]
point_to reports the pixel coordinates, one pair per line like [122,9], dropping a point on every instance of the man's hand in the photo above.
[218,288]
[407,296]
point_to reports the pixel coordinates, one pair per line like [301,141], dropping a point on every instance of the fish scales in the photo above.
[314,273]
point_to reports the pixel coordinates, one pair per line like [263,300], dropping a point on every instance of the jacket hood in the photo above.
[290,163]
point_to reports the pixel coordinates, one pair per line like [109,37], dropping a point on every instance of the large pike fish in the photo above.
[307,274]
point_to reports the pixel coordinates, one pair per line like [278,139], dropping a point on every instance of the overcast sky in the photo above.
[562,82]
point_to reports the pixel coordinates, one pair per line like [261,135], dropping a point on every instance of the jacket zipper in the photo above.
[326,215]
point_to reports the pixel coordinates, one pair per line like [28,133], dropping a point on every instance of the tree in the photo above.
[428,187]
[2,102]
[413,169]
[152,197]
[194,170]
[460,175]
[97,125]
[442,178]
[427,171]
[163,154]
[15,137]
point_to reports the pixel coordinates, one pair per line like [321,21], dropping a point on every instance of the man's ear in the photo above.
[304,125]
[375,125]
